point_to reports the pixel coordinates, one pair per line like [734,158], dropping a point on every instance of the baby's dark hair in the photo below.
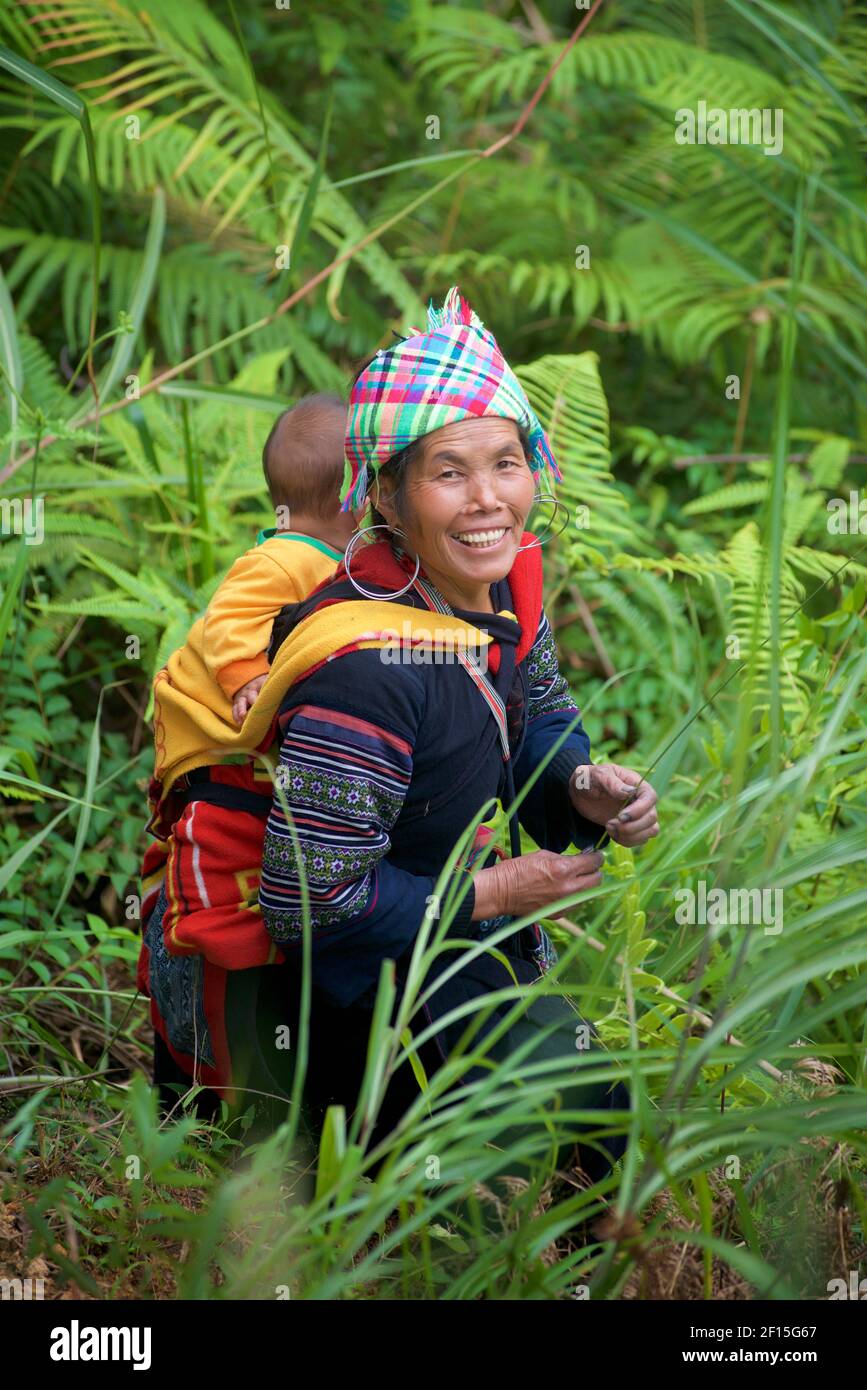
[303,456]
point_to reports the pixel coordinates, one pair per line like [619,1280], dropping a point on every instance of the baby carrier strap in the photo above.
[202,788]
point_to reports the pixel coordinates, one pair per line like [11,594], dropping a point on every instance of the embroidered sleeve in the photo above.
[549,690]
[344,779]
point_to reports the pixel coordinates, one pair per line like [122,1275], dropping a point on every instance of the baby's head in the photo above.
[303,463]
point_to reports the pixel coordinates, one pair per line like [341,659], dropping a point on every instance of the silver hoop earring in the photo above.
[547,497]
[367,593]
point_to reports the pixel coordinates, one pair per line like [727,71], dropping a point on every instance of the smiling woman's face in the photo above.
[466,499]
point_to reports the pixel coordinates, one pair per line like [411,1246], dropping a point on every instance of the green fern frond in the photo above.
[190,57]
[725,498]
[567,394]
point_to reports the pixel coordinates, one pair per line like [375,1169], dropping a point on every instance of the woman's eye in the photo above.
[509,463]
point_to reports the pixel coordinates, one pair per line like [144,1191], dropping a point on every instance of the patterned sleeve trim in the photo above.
[345,780]
[549,690]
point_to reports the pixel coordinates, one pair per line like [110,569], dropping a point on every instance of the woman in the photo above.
[382,762]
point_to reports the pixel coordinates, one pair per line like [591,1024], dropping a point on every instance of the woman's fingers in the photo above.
[643,798]
[634,782]
[644,801]
[577,870]
[587,862]
[580,872]
[633,841]
[582,877]
[635,834]
[634,822]
[583,885]
[638,821]
[610,778]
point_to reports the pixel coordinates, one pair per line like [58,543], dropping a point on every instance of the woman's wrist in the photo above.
[487,903]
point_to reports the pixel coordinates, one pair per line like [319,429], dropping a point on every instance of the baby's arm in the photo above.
[245,698]
[237,628]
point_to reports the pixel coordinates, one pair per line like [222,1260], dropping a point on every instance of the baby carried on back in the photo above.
[211,787]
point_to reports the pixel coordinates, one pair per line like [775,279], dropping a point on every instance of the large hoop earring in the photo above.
[548,497]
[367,593]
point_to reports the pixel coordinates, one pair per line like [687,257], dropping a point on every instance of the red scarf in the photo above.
[377,564]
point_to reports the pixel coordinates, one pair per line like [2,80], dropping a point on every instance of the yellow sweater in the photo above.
[193,724]
[236,629]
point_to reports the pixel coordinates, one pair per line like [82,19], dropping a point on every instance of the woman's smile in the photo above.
[481,539]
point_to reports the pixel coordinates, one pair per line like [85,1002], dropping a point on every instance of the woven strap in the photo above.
[437,604]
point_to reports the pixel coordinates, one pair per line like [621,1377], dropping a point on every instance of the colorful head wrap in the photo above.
[452,372]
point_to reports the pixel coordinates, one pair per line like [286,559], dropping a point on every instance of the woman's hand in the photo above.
[531,883]
[617,798]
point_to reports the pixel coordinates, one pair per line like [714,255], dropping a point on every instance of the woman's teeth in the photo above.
[480,539]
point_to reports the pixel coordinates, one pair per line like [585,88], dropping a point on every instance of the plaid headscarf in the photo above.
[454,371]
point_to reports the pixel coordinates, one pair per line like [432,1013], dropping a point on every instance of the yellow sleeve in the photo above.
[237,627]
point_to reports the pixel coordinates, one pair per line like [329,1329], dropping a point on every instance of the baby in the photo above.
[303,463]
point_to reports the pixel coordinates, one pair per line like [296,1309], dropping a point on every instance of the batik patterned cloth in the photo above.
[454,371]
[176,985]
